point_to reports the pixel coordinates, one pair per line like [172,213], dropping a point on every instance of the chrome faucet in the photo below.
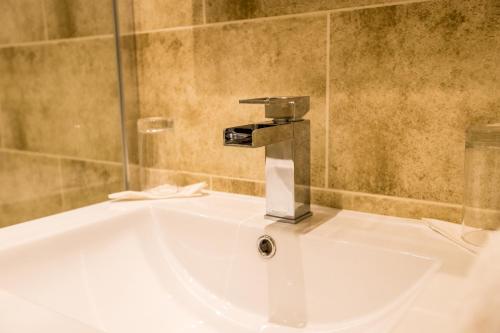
[287,140]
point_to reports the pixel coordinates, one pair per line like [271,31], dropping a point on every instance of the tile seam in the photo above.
[211,176]
[378,196]
[55,156]
[17,200]
[209,25]
[204,11]
[61,183]
[277,17]
[365,194]
[327,106]
[3,128]
[240,179]
[45,21]
[389,197]
[56,41]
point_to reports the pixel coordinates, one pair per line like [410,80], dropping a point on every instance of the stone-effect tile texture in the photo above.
[85,183]
[30,187]
[386,205]
[78,18]
[195,77]
[34,185]
[62,99]
[22,21]
[158,14]
[228,10]
[149,178]
[406,82]
[238,186]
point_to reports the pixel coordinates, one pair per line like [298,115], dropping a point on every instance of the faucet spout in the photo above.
[257,135]
[287,144]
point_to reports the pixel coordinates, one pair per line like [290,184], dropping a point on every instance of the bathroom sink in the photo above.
[193,265]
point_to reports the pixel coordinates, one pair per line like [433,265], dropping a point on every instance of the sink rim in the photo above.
[25,233]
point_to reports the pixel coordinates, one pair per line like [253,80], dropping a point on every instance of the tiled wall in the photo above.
[393,86]
[59,114]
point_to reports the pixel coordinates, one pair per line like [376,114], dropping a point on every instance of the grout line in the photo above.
[204,9]
[379,196]
[61,182]
[57,41]
[389,197]
[216,24]
[62,157]
[3,127]
[315,188]
[327,106]
[240,179]
[45,21]
[207,175]
[279,17]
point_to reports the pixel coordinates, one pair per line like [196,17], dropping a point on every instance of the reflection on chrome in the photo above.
[287,140]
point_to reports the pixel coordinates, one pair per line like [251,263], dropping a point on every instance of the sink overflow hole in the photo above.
[266,246]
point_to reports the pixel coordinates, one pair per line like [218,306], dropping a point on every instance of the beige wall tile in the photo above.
[77,18]
[154,177]
[158,14]
[238,186]
[228,10]
[27,176]
[30,187]
[386,205]
[146,178]
[85,183]
[331,198]
[26,210]
[197,76]
[406,81]
[22,21]
[62,99]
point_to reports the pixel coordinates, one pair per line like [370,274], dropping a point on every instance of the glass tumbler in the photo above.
[155,136]
[481,211]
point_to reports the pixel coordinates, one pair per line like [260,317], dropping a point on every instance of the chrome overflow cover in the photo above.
[266,246]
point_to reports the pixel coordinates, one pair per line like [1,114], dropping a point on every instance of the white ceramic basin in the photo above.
[192,265]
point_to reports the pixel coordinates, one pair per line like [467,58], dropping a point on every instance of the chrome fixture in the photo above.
[287,140]
[266,246]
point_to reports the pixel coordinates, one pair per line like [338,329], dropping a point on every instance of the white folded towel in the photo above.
[160,192]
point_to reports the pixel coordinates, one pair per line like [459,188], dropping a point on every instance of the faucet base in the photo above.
[286,220]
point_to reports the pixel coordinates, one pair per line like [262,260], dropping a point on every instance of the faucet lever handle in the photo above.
[285,108]
[260,100]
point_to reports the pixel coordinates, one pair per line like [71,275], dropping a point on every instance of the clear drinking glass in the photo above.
[155,136]
[481,213]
